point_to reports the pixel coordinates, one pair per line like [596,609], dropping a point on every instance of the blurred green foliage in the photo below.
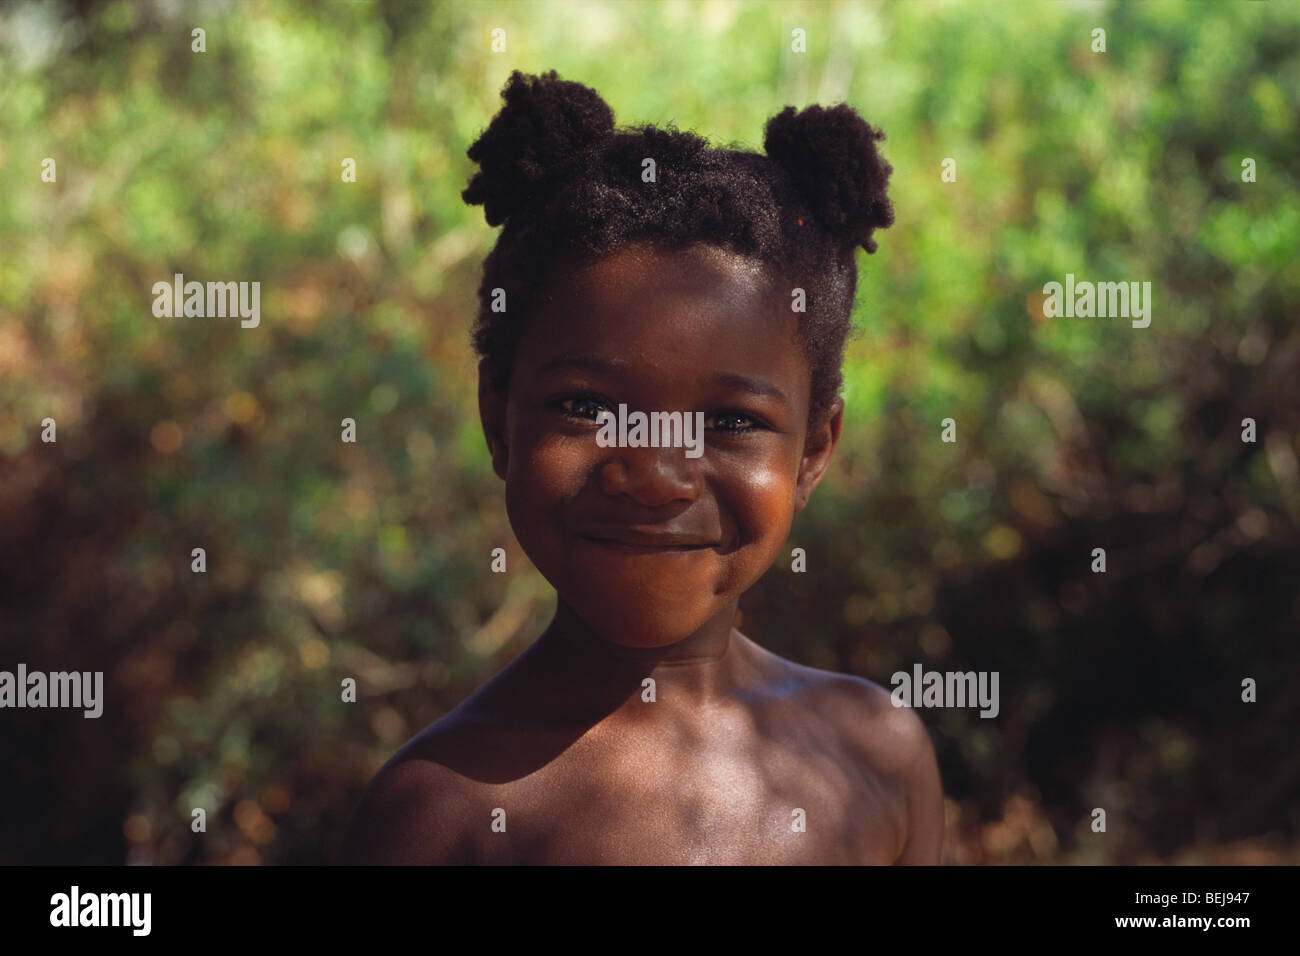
[328,560]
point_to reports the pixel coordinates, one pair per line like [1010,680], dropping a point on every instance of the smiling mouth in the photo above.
[647,544]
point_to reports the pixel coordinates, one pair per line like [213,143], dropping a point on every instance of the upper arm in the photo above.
[924,797]
[896,747]
[411,813]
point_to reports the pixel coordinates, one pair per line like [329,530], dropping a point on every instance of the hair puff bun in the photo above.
[831,156]
[540,133]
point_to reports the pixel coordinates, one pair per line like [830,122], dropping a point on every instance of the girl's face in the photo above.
[647,545]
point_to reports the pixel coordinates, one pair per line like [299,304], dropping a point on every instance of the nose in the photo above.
[651,476]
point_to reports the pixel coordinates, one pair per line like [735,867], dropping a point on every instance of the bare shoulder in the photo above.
[895,736]
[893,743]
[415,811]
[861,710]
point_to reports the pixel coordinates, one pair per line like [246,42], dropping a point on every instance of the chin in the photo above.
[643,622]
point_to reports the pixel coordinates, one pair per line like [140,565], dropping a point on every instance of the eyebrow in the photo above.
[729,380]
[584,363]
[745,383]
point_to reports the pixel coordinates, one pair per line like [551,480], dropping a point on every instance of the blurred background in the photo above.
[328,560]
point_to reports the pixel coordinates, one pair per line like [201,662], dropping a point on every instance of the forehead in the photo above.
[633,271]
[654,300]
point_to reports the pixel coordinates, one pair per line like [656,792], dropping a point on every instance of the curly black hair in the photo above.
[568,188]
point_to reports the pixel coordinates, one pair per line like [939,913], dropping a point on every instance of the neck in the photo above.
[696,668]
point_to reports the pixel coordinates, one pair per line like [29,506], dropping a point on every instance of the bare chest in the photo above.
[724,792]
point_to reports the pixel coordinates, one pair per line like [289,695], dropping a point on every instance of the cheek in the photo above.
[761,502]
[547,472]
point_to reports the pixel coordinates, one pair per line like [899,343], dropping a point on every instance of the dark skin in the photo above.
[742,756]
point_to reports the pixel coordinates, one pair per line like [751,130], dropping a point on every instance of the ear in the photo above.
[818,446]
[492,413]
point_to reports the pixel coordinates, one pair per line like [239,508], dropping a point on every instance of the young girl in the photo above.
[643,269]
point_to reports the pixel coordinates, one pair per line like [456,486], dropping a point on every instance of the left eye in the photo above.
[586,408]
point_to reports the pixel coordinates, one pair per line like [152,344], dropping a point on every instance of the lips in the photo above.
[645,540]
